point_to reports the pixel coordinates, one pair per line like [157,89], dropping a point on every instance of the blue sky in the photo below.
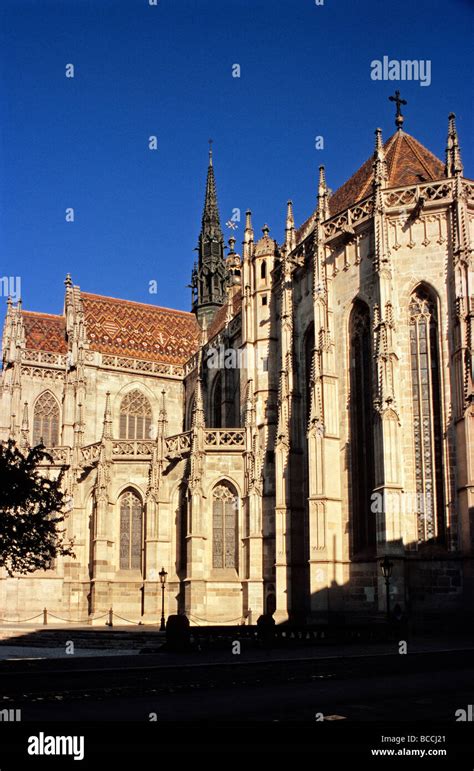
[166,70]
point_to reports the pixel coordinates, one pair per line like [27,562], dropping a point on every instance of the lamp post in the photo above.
[162,575]
[387,567]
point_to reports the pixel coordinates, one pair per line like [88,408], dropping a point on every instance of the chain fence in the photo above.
[46,614]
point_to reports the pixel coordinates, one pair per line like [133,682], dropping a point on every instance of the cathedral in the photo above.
[310,416]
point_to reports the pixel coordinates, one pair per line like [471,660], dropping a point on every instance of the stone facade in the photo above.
[311,416]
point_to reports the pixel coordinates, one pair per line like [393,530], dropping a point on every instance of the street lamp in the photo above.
[387,567]
[162,574]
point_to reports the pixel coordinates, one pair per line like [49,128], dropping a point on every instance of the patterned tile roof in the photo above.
[45,332]
[219,319]
[408,163]
[126,328]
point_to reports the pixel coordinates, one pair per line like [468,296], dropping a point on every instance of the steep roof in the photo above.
[219,319]
[120,327]
[408,163]
[44,332]
[138,330]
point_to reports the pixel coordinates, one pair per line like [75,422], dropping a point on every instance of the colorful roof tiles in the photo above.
[45,332]
[138,330]
[120,327]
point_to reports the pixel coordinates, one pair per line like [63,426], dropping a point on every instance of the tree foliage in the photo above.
[32,508]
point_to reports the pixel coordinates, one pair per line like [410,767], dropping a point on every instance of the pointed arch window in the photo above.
[131,523]
[189,419]
[263,270]
[216,402]
[308,348]
[135,416]
[362,430]
[427,422]
[224,527]
[46,420]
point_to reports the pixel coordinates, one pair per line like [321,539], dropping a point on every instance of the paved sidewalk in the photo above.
[23,652]
[248,654]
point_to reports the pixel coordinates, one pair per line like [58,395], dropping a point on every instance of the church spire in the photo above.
[211,226]
[209,275]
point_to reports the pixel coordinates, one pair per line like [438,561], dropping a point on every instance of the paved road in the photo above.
[433,694]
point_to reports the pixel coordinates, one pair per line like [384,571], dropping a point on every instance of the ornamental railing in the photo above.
[142,365]
[224,439]
[43,357]
[61,456]
[407,196]
[132,448]
[346,220]
[90,452]
[430,192]
[178,445]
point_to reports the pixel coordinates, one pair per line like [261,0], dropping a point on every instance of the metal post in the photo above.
[45,616]
[163,623]
[387,587]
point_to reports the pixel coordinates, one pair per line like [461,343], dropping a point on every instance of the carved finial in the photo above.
[322,180]
[290,236]
[163,403]
[78,426]
[24,422]
[210,151]
[378,142]
[68,280]
[204,331]
[198,408]
[453,153]
[265,230]
[249,404]
[25,428]
[163,416]
[231,245]
[379,165]
[107,424]
[323,195]
[399,101]
[248,234]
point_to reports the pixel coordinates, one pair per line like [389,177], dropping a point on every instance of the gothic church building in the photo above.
[311,415]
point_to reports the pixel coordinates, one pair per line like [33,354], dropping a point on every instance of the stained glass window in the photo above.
[425,380]
[46,420]
[135,416]
[308,362]
[224,527]
[362,429]
[216,406]
[130,531]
